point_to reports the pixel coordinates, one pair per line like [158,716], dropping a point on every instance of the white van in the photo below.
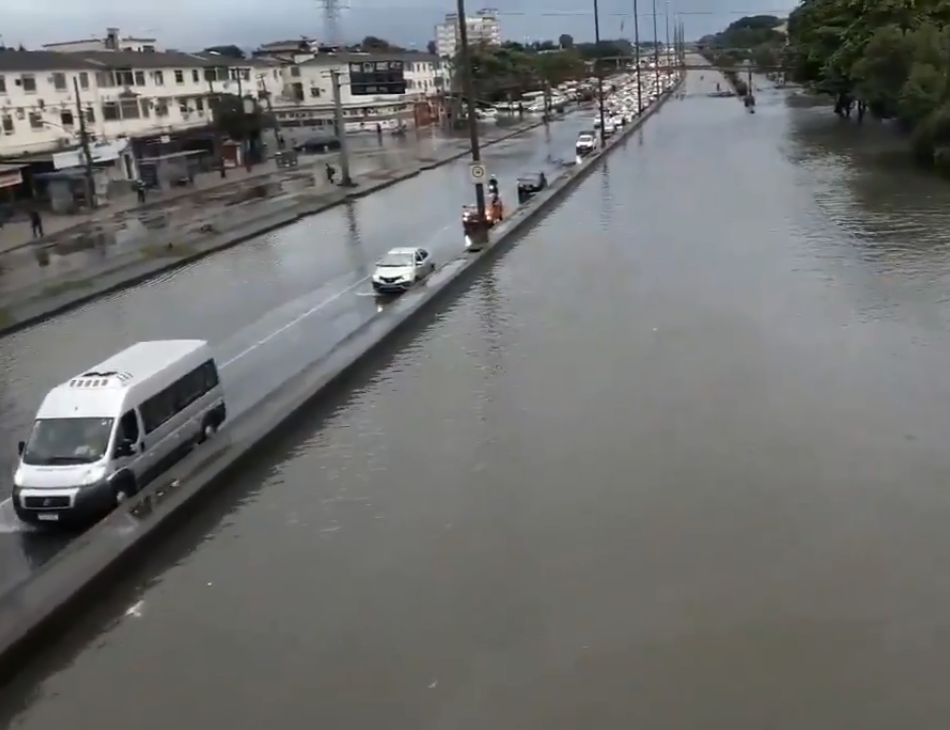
[106,433]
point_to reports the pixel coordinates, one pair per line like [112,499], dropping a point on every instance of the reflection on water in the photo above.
[678,461]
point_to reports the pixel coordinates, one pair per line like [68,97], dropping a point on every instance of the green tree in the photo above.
[508,71]
[565,41]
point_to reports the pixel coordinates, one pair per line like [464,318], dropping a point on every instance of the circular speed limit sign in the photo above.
[477,173]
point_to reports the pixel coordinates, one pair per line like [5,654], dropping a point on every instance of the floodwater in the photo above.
[677,461]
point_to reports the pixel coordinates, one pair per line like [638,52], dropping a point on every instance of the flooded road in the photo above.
[677,461]
[271,306]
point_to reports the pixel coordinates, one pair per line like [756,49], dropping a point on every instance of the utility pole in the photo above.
[547,101]
[468,86]
[215,123]
[270,111]
[600,75]
[669,53]
[91,200]
[636,51]
[345,180]
[656,53]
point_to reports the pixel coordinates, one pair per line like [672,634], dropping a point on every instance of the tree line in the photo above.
[756,39]
[890,59]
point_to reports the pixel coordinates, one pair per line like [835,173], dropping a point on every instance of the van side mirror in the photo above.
[21,447]
[124,448]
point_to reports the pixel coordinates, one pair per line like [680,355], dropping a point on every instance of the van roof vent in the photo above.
[95,379]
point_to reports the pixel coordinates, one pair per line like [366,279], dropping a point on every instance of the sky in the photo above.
[194,25]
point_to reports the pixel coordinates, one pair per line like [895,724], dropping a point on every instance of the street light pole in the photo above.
[669,54]
[345,180]
[91,200]
[600,74]
[636,50]
[468,87]
[656,53]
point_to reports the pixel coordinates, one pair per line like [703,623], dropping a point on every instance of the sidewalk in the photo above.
[184,229]
[210,188]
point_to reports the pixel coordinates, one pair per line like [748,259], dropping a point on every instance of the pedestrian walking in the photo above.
[140,191]
[331,172]
[36,223]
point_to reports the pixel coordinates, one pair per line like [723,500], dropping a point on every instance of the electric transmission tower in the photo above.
[332,16]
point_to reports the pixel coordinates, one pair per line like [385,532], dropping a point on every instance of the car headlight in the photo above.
[95,475]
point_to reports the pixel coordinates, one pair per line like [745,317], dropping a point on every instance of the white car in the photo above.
[586,143]
[401,269]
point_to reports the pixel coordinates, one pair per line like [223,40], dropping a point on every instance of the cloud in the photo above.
[192,25]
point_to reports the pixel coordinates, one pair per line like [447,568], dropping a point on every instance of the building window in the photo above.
[200,105]
[158,77]
[66,118]
[90,115]
[105,79]
[314,92]
[130,108]
[110,111]
[140,78]
[161,108]
[36,120]
[59,81]
[125,77]
[146,106]
[179,76]
[83,80]
[8,124]
[295,71]
[28,84]
[3,85]
[195,76]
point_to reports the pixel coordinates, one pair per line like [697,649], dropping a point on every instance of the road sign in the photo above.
[476,171]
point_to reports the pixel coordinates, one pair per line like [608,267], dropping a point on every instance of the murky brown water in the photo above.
[678,461]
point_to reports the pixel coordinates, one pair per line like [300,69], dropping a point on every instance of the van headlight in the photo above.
[95,475]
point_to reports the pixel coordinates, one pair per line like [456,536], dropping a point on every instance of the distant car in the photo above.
[531,185]
[586,143]
[401,269]
[317,145]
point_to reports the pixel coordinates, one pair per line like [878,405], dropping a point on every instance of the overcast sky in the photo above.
[194,25]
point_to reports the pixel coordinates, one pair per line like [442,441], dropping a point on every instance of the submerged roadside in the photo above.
[27,302]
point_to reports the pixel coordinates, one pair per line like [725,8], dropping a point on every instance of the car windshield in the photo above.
[62,441]
[396,259]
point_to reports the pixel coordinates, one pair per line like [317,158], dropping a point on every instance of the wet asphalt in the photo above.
[676,461]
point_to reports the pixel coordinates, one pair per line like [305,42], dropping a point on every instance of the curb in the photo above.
[85,290]
[35,611]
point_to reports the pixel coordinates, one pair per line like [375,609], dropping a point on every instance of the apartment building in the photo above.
[482,28]
[121,94]
[390,89]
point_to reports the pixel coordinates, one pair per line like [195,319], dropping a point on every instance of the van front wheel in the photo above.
[124,488]
[209,428]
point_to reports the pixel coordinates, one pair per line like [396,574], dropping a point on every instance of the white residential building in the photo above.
[112,41]
[307,100]
[482,28]
[122,94]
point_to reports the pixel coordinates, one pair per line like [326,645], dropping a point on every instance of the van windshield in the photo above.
[63,441]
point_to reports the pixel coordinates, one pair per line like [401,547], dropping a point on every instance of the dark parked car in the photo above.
[316,145]
[530,185]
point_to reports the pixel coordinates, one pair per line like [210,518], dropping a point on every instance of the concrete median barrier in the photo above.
[40,609]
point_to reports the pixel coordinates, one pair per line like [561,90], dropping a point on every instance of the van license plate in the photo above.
[48,517]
